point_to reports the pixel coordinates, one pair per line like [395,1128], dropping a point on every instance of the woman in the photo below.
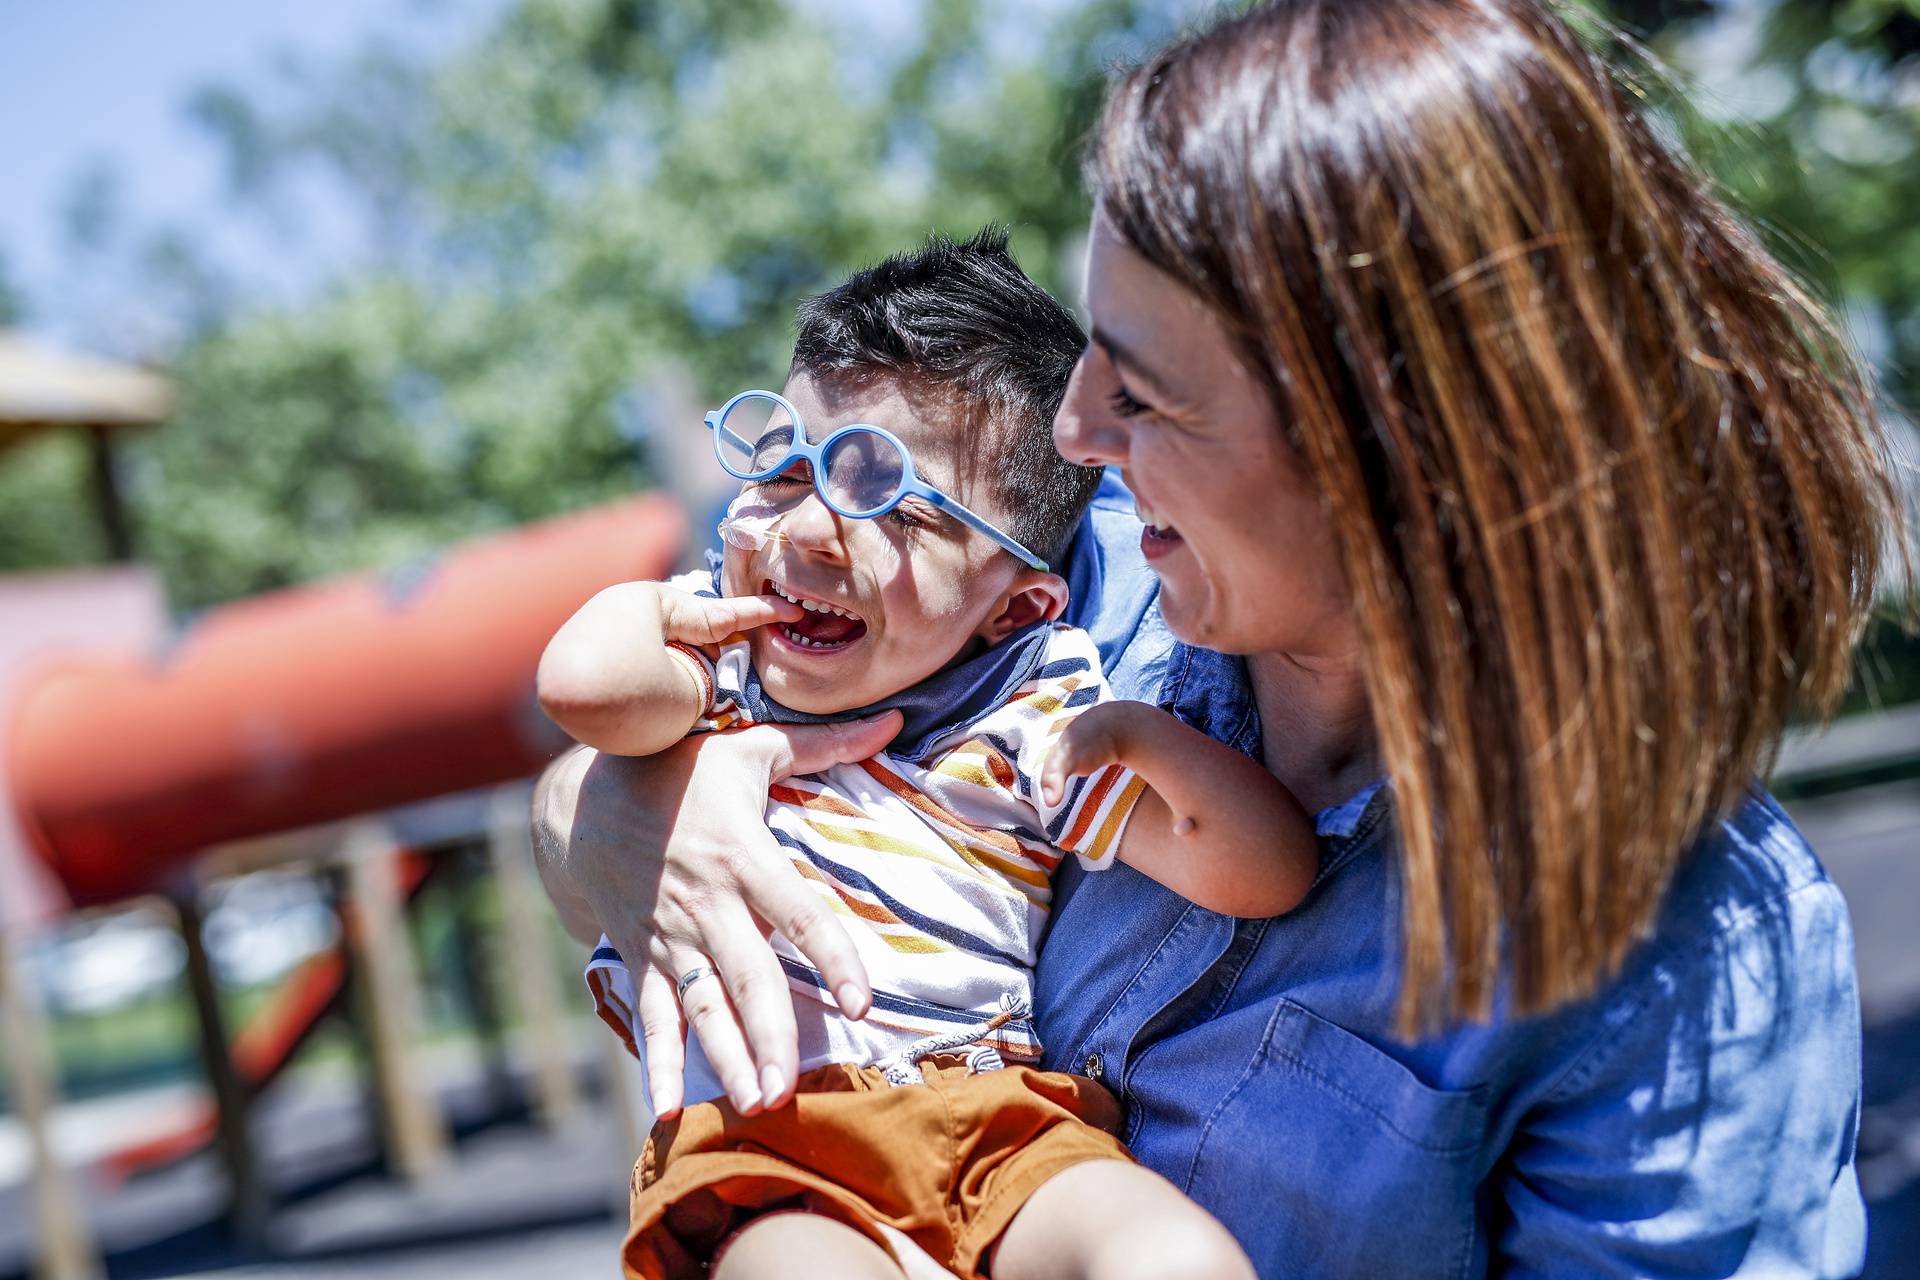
[1535,495]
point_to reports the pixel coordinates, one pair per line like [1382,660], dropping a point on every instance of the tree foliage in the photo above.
[594,191]
[12,305]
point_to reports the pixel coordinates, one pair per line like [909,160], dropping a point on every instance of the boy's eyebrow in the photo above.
[1119,354]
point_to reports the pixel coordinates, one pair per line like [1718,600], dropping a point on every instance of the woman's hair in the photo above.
[1608,490]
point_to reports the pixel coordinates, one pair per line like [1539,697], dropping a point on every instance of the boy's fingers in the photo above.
[1053,774]
[719,619]
[704,620]
[1079,749]
[663,1040]
[757,611]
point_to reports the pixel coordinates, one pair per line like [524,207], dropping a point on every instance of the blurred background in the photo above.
[375,334]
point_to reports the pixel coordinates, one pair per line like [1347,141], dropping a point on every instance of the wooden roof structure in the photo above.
[43,387]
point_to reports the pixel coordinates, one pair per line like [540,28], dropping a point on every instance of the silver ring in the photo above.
[694,975]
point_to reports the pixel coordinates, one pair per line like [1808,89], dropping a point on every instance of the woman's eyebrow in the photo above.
[1142,371]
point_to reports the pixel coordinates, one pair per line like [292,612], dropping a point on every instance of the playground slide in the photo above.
[313,703]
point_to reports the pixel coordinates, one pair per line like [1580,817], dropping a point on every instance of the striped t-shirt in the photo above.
[939,864]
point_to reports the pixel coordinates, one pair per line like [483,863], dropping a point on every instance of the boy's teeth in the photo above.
[813,606]
[803,641]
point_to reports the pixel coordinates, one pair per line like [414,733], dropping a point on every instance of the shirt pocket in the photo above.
[1329,1153]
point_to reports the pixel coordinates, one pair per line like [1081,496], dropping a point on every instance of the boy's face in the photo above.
[920,586]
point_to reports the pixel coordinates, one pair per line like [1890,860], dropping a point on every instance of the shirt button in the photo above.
[1095,1068]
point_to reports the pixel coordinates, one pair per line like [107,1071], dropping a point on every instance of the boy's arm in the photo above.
[1213,826]
[609,678]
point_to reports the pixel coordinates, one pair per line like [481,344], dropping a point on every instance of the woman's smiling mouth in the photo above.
[1158,537]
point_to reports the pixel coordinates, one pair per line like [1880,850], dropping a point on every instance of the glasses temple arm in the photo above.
[958,510]
[715,425]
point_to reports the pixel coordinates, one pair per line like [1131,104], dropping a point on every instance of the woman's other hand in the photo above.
[669,857]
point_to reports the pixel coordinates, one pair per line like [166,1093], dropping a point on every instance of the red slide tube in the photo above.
[314,703]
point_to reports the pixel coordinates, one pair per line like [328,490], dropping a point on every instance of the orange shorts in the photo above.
[948,1163]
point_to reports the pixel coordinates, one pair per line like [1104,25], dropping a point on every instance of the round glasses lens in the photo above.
[754,436]
[864,472]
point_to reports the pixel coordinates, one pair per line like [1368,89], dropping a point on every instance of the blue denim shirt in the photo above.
[1694,1117]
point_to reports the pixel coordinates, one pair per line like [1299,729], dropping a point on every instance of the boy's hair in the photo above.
[963,321]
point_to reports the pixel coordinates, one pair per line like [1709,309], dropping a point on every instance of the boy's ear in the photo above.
[1032,597]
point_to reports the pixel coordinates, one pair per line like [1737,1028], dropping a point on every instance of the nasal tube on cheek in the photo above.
[750,523]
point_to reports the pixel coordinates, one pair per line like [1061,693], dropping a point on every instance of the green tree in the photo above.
[594,189]
[1814,133]
[13,305]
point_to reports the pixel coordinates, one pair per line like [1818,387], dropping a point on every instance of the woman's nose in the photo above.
[1084,431]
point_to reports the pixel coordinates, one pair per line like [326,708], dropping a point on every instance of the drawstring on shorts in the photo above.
[903,1065]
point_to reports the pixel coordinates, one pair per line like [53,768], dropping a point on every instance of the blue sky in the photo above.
[92,83]
[88,81]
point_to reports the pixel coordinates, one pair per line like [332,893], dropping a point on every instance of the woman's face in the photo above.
[1243,547]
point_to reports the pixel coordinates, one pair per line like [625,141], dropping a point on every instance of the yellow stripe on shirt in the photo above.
[1116,818]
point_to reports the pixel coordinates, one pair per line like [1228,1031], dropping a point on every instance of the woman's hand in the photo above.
[670,857]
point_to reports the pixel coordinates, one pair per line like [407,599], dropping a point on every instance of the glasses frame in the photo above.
[803,449]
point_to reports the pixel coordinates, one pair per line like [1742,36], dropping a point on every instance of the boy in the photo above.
[899,508]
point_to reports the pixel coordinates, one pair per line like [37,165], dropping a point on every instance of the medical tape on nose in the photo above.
[750,523]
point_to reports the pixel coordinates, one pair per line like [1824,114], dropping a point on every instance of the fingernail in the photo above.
[773,1082]
[852,1001]
[747,1100]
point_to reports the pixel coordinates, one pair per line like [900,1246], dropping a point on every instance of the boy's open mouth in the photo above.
[823,628]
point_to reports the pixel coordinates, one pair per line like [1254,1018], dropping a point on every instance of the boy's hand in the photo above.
[692,619]
[1101,735]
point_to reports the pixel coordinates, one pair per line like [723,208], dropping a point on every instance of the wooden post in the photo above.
[246,1198]
[480,975]
[67,1250]
[526,954]
[413,1128]
[107,499]
[339,895]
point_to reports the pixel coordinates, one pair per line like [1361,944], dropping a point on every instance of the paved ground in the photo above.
[517,1201]
[514,1200]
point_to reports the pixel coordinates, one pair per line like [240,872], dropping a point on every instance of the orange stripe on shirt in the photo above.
[1117,817]
[816,801]
[969,846]
[1048,698]
[871,912]
[612,1010]
[979,763]
[1091,805]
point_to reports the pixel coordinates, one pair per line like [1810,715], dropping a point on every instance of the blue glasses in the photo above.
[860,471]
